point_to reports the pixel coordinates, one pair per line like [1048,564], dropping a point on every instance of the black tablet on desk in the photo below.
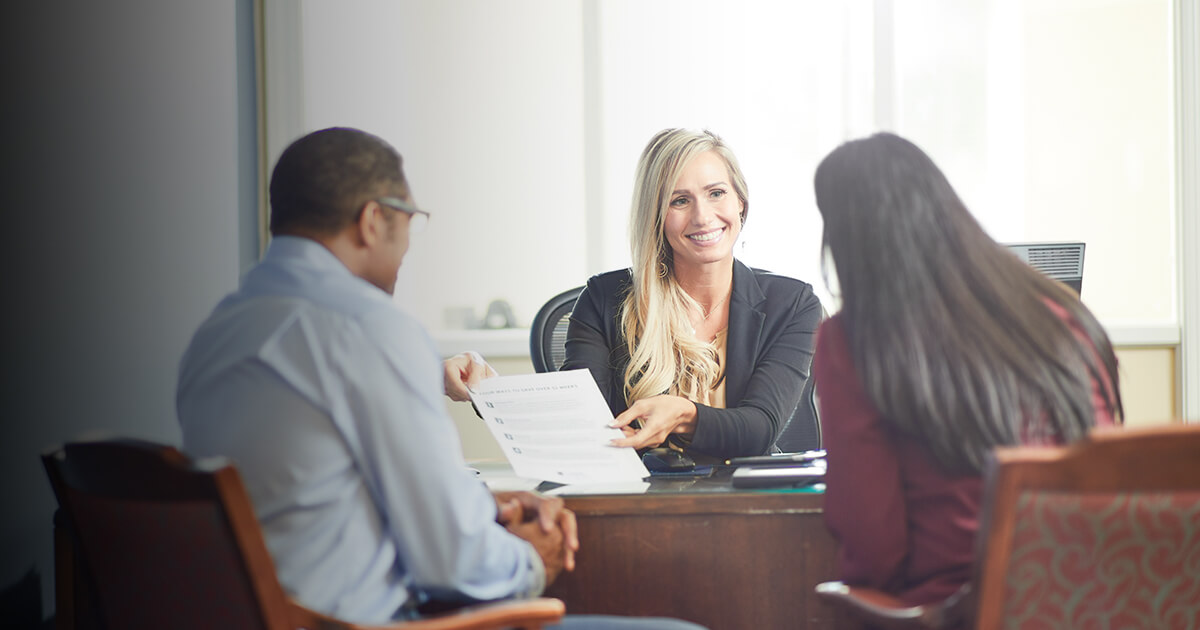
[776,476]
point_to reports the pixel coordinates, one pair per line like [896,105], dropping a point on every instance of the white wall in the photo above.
[1100,129]
[121,192]
[485,102]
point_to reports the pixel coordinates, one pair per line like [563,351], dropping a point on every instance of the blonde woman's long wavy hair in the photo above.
[665,357]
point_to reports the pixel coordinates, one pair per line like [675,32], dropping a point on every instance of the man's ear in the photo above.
[369,227]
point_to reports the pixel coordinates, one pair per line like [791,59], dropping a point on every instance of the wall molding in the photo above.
[1187,154]
[282,84]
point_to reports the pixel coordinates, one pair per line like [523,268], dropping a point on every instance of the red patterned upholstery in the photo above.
[1104,560]
[1103,534]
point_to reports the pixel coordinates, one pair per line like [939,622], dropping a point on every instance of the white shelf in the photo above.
[494,343]
[514,342]
[1125,336]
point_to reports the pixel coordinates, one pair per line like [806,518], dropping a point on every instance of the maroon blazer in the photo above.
[904,526]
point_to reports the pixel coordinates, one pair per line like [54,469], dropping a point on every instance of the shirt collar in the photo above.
[303,251]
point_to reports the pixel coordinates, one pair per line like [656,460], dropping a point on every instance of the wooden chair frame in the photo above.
[277,609]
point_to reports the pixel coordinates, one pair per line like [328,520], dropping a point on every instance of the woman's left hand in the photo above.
[660,415]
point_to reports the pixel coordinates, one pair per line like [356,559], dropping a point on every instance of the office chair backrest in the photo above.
[548,334]
[802,432]
[1105,532]
[1102,533]
[166,542]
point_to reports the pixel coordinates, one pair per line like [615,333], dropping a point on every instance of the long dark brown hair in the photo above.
[950,332]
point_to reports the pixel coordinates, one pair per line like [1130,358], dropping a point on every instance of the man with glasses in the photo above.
[328,399]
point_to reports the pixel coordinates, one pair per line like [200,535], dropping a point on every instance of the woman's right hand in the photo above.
[660,417]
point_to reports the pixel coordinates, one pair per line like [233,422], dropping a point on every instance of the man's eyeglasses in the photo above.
[419,218]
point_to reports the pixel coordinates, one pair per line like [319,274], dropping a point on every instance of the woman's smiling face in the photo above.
[703,218]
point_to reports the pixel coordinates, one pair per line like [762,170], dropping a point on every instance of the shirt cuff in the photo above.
[537,573]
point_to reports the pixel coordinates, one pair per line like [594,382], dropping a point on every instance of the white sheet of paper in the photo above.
[614,487]
[554,426]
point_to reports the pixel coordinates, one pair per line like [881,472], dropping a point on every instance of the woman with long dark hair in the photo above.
[946,346]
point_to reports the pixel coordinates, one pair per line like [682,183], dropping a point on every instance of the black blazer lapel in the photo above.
[746,319]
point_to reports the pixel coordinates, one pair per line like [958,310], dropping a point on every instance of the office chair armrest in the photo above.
[878,608]
[530,614]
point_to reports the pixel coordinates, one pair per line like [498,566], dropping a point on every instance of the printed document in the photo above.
[554,426]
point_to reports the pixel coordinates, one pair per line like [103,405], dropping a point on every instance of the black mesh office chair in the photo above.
[803,430]
[548,335]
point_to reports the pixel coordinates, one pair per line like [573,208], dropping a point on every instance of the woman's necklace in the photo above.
[712,309]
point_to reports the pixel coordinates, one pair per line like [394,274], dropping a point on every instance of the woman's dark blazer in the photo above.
[772,327]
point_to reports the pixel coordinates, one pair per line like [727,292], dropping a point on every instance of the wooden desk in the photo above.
[702,551]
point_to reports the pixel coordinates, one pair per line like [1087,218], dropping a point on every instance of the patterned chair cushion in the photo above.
[1105,560]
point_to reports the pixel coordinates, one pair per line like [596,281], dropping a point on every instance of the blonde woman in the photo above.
[690,346]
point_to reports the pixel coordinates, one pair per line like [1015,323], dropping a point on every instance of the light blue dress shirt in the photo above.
[328,399]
